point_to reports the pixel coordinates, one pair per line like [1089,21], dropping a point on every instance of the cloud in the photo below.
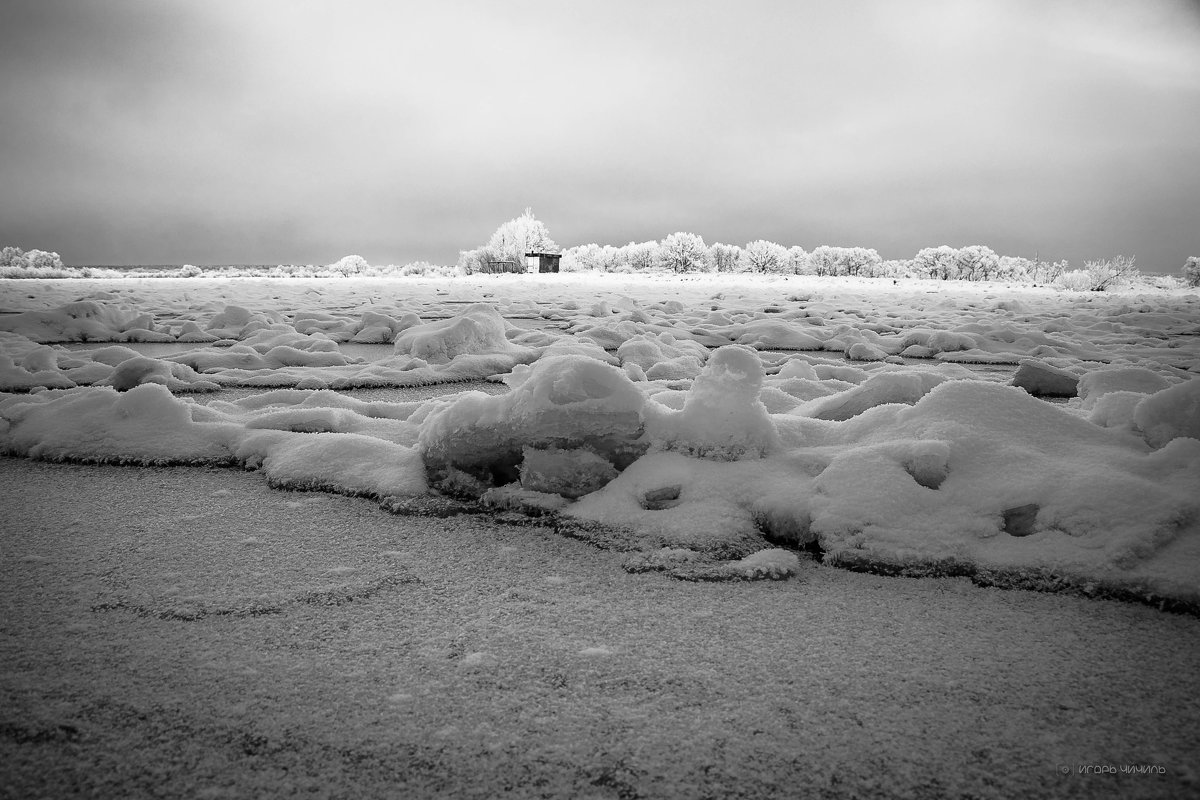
[280,131]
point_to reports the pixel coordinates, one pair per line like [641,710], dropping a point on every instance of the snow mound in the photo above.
[1170,414]
[722,417]
[1045,380]
[141,370]
[662,356]
[236,322]
[770,334]
[346,463]
[1096,384]
[562,402]
[1100,503]
[477,330]
[80,321]
[148,425]
[145,425]
[881,388]
[673,500]
[774,564]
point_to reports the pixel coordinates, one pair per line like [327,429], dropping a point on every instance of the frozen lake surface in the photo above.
[190,627]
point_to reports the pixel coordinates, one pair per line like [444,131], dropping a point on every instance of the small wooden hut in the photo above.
[544,262]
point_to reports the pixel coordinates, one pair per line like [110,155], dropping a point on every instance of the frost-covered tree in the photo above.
[684,252]
[896,269]
[472,261]
[350,265]
[13,257]
[725,257]
[798,261]
[1076,280]
[859,261]
[1039,271]
[569,262]
[640,256]
[43,259]
[763,256]
[515,238]
[31,259]
[1046,272]
[612,259]
[936,262]
[1191,272]
[823,260]
[1110,272]
[592,258]
[1099,276]
[976,263]
[1014,268]
[1057,268]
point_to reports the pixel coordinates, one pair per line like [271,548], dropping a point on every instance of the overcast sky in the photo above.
[279,131]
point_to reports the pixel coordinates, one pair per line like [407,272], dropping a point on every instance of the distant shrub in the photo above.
[427,270]
[1191,272]
[1111,272]
[1075,280]
[472,261]
[39,272]
[43,262]
[12,257]
[41,259]
[190,271]
[1100,276]
[1044,272]
[1014,268]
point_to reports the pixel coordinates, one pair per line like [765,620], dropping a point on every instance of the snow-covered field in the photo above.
[582,474]
[710,425]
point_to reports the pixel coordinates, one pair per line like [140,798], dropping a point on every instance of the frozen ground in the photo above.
[308,644]
[695,436]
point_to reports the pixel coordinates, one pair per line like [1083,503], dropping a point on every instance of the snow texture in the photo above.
[885,435]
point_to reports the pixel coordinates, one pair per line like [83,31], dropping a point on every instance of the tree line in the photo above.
[683,252]
[687,253]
